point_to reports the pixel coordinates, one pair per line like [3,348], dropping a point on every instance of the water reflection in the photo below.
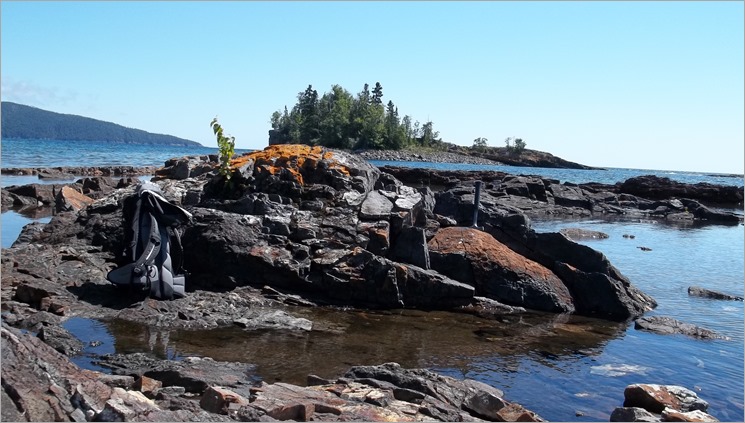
[412,338]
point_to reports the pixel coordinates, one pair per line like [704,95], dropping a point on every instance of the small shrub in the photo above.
[226,147]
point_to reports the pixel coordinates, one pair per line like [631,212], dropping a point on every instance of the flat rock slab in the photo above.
[715,295]
[667,326]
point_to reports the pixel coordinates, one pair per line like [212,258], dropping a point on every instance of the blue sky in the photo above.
[651,85]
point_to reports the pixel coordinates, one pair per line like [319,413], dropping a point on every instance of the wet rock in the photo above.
[578,234]
[488,308]
[276,319]
[655,398]
[667,326]
[194,374]
[60,339]
[715,295]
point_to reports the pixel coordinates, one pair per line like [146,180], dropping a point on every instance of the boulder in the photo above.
[290,169]
[656,398]
[476,258]
[596,286]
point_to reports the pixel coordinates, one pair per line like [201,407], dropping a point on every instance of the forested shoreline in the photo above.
[26,122]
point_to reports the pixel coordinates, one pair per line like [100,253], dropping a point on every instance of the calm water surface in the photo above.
[565,368]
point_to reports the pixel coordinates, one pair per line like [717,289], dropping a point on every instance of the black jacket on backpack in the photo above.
[153,252]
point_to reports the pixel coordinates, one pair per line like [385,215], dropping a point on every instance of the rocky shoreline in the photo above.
[312,227]
[424,156]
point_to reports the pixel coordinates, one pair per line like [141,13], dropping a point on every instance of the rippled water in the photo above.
[565,368]
[578,176]
[53,153]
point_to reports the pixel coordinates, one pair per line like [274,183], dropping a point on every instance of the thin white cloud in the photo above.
[32,94]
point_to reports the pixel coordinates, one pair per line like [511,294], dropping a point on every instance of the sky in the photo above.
[647,85]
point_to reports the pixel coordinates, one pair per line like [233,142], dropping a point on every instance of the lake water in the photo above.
[565,368]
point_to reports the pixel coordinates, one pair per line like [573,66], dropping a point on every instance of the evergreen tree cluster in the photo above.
[340,120]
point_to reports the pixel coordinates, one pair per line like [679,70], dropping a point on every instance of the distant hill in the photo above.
[25,122]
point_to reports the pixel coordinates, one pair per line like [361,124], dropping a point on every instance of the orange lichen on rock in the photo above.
[480,246]
[295,158]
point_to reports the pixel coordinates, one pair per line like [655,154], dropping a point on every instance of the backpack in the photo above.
[152,252]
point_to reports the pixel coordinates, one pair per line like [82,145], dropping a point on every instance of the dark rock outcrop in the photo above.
[640,196]
[661,188]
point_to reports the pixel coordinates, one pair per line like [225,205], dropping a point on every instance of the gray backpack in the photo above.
[152,257]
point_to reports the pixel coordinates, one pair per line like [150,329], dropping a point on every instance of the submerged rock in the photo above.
[715,295]
[578,234]
[667,325]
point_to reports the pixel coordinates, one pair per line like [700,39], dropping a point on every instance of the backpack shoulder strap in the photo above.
[152,247]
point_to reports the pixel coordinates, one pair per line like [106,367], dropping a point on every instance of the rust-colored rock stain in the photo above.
[295,158]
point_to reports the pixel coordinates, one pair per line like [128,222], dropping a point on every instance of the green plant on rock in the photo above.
[226,147]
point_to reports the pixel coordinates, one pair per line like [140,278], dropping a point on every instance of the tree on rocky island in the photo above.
[339,119]
[480,143]
[516,148]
